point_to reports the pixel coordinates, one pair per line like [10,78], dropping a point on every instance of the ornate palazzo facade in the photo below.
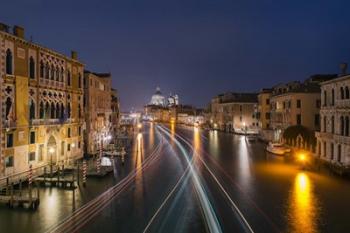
[41,104]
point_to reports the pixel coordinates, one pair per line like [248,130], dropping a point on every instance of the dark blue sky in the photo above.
[194,48]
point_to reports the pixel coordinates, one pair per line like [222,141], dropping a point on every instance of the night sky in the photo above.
[196,49]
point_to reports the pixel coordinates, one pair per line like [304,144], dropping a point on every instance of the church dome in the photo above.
[158,99]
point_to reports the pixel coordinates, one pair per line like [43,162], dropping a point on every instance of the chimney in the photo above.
[343,68]
[18,31]
[74,55]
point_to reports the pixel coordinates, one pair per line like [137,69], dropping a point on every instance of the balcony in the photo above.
[342,139]
[46,121]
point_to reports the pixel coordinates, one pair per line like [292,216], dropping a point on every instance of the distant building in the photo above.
[264,114]
[158,99]
[98,114]
[235,112]
[333,139]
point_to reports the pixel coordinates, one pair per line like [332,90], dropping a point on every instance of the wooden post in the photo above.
[30,183]
[20,187]
[7,186]
[58,176]
[11,201]
[84,173]
[78,178]
[44,175]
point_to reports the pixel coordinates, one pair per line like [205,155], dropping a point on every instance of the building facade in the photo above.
[115,106]
[41,104]
[333,139]
[98,114]
[235,112]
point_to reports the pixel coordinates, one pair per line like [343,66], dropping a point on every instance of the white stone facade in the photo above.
[333,140]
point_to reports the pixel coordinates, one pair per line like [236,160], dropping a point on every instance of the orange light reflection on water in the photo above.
[303,210]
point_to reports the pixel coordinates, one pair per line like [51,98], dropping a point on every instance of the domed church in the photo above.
[158,99]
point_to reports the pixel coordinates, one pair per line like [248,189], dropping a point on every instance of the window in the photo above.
[31,156]
[346,126]
[53,111]
[52,72]
[9,140]
[298,119]
[240,118]
[318,103]
[324,124]
[341,126]
[32,110]
[41,110]
[8,108]
[240,108]
[8,61]
[68,78]
[332,97]
[41,150]
[47,71]
[324,149]
[42,69]
[324,98]
[298,103]
[79,145]
[79,131]
[31,68]
[267,116]
[69,133]
[79,80]
[339,153]
[68,147]
[342,93]
[267,101]
[57,110]
[9,161]
[68,110]
[317,120]
[57,74]
[32,137]
[62,148]
[347,94]
[332,124]
[332,151]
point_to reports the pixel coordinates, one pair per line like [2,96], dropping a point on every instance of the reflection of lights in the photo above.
[303,212]
[139,125]
[244,124]
[108,137]
[196,124]
[73,145]
[215,125]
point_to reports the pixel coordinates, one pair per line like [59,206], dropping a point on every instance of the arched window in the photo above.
[342,93]
[79,111]
[42,69]
[31,68]
[57,74]
[79,81]
[32,110]
[347,94]
[332,122]
[47,71]
[8,104]
[47,110]
[342,125]
[41,110]
[68,78]
[62,74]
[53,111]
[62,111]
[52,72]
[68,110]
[346,126]
[324,124]
[57,110]
[8,61]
